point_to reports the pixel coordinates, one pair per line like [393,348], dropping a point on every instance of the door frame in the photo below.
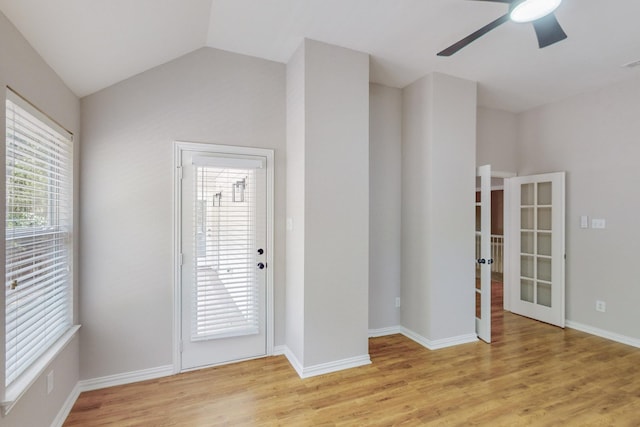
[212,148]
[506,224]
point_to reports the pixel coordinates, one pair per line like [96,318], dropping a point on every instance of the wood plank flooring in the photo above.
[533,374]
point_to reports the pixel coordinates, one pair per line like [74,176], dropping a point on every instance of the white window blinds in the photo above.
[38,239]
[226,287]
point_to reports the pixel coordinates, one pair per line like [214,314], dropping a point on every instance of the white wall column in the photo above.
[327,208]
[438,182]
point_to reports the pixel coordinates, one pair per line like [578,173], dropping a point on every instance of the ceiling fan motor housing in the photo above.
[522,11]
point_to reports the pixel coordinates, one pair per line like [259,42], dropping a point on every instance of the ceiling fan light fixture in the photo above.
[531,10]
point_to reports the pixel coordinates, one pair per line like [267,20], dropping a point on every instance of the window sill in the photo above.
[15,391]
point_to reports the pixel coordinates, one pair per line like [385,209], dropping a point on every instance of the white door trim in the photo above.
[506,227]
[178,148]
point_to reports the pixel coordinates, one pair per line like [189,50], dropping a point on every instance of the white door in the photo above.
[483,255]
[537,249]
[224,258]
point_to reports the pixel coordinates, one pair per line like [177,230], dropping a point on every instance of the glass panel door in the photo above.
[224,253]
[538,232]
[483,255]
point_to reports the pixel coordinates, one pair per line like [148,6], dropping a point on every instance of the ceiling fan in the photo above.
[538,12]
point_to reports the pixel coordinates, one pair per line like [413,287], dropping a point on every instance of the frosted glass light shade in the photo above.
[530,10]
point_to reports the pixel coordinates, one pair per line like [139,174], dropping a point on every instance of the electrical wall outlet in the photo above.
[49,382]
[601,306]
[397,302]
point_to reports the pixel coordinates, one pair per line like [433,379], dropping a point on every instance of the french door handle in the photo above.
[260,251]
[261,265]
[490,261]
[482,261]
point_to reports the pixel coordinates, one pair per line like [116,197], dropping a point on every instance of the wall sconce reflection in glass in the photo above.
[238,191]
[217,198]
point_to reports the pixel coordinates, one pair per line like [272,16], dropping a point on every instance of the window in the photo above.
[38,239]
[225,301]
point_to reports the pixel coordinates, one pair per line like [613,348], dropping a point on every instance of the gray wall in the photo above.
[594,138]
[497,140]
[127,185]
[385,199]
[23,70]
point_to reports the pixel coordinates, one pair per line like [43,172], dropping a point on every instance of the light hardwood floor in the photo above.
[533,374]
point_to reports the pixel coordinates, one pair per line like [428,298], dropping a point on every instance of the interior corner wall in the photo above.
[594,138]
[385,199]
[129,129]
[25,72]
[416,206]
[438,180]
[497,139]
[335,175]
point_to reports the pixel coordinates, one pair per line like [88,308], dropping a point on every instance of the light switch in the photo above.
[584,221]
[598,223]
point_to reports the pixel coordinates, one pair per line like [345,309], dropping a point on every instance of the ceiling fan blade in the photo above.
[497,1]
[548,30]
[474,36]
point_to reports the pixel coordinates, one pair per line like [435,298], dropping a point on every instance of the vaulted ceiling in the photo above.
[93,44]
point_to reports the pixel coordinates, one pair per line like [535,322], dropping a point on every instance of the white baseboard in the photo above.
[383,332]
[293,361]
[66,407]
[337,365]
[438,344]
[325,368]
[126,378]
[623,339]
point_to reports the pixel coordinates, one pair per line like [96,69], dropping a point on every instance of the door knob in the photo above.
[260,251]
[482,261]
[261,265]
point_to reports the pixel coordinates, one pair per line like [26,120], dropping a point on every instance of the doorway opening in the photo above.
[495,270]
[497,254]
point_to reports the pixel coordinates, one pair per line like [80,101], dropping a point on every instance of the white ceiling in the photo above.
[93,44]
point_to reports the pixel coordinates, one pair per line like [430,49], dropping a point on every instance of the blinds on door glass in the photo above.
[225,300]
[37,227]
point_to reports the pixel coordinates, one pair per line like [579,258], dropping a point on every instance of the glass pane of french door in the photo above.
[535,244]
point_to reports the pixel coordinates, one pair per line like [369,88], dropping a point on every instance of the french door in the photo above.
[537,212]
[224,257]
[483,255]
